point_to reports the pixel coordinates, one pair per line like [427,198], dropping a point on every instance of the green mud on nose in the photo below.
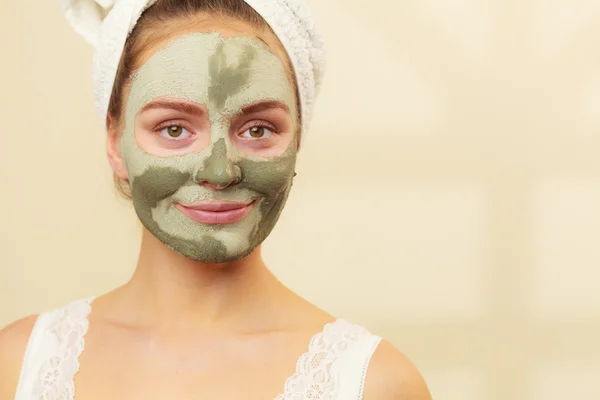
[218,169]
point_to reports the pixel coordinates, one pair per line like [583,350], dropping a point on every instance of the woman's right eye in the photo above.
[175,132]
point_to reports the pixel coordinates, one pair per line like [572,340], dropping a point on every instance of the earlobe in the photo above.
[114,154]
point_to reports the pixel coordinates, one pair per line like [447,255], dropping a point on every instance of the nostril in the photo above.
[222,186]
[219,184]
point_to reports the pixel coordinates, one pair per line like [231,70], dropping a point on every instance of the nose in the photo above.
[220,176]
[219,170]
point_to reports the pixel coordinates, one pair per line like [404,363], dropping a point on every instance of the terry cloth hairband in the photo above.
[106,24]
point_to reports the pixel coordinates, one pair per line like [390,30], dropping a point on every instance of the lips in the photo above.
[216,212]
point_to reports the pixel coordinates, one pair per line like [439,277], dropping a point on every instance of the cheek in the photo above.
[269,177]
[156,184]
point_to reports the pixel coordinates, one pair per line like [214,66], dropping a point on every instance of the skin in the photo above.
[186,329]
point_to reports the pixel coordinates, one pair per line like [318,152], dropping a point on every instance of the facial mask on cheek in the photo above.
[224,75]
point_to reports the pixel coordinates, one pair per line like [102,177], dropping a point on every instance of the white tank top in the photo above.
[341,353]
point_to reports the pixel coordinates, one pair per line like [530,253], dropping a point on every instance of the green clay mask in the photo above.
[223,76]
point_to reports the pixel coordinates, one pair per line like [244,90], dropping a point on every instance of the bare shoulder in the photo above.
[13,342]
[392,376]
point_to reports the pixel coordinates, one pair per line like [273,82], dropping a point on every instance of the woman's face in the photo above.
[209,144]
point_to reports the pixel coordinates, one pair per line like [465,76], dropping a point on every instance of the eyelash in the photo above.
[259,124]
[173,123]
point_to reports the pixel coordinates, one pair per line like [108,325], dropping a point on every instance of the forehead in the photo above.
[222,73]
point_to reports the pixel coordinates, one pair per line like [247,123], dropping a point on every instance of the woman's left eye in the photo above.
[257,132]
[175,132]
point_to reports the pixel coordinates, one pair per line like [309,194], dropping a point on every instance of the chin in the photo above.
[221,260]
[207,250]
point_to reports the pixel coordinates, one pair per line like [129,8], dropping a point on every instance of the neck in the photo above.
[171,290]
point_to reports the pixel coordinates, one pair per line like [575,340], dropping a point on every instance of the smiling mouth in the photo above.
[217,212]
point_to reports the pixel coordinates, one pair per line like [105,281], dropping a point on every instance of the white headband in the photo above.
[106,24]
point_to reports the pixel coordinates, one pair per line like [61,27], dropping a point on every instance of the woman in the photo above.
[206,102]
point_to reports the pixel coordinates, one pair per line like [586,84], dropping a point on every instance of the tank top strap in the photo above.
[53,349]
[352,366]
[334,367]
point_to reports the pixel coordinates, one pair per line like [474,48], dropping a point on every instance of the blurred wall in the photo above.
[448,195]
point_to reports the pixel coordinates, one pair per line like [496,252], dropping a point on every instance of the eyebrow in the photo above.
[264,105]
[194,109]
[186,108]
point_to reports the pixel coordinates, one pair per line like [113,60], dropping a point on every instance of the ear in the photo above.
[113,151]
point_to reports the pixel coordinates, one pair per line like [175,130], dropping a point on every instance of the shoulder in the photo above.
[392,376]
[13,343]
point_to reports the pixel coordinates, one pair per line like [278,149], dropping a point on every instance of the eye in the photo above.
[257,132]
[176,132]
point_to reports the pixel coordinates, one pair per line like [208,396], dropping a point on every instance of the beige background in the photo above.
[448,195]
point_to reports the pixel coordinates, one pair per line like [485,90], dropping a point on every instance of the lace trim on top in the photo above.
[57,373]
[313,378]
